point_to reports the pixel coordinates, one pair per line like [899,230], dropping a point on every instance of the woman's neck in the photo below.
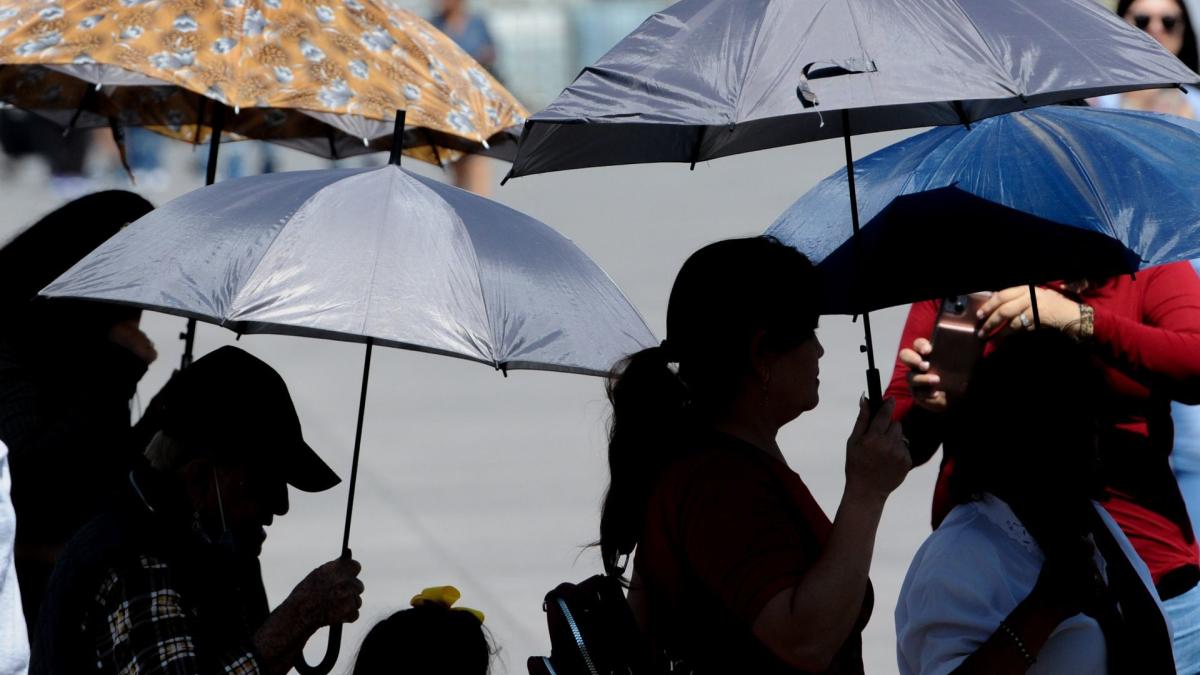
[749,426]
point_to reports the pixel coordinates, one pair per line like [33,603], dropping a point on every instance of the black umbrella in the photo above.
[709,78]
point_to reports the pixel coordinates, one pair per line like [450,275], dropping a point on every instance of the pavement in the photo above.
[494,484]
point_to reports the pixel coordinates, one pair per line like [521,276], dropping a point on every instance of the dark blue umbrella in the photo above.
[1034,196]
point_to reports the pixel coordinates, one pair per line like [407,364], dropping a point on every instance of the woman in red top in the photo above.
[1144,331]
[737,568]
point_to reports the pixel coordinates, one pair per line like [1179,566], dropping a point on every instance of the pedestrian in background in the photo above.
[470,32]
[68,371]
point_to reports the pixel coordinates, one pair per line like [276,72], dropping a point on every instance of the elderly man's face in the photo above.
[241,499]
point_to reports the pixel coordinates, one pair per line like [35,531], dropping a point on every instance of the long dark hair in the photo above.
[426,639]
[1187,53]
[49,247]
[1043,388]
[724,294]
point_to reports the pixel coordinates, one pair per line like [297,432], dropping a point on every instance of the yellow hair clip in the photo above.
[445,596]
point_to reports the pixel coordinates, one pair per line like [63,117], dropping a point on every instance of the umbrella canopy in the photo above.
[1034,196]
[355,254]
[322,78]
[380,256]
[709,78]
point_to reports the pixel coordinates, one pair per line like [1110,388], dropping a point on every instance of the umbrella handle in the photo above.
[335,631]
[331,655]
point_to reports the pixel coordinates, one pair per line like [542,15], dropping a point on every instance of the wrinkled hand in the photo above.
[1002,312]
[922,383]
[330,594]
[127,334]
[877,458]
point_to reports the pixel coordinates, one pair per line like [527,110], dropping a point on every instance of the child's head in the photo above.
[431,637]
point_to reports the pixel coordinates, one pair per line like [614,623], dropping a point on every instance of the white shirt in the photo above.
[969,575]
[14,643]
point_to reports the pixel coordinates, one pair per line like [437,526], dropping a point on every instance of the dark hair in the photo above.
[426,639]
[723,295]
[1030,421]
[1187,52]
[49,247]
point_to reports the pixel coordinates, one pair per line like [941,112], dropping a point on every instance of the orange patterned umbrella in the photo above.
[324,76]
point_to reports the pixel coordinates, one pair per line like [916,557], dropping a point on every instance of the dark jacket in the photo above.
[64,414]
[226,599]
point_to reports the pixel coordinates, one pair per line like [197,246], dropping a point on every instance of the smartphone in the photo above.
[956,345]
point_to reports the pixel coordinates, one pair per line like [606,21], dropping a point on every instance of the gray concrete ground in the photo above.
[494,484]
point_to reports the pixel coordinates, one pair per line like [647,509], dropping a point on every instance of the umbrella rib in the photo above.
[493,340]
[241,43]
[982,38]
[387,207]
[234,302]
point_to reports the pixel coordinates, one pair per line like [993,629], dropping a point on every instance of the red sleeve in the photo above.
[922,429]
[1165,344]
[921,318]
[740,534]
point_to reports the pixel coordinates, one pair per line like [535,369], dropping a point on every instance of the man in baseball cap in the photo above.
[169,578]
[230,404]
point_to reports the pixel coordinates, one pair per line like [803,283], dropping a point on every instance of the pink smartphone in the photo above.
[956,346]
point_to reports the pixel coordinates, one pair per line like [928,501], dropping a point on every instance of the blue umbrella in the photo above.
[1040,195]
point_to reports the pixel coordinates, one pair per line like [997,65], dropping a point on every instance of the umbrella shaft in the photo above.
[214,142]
[362,405]
[874,385]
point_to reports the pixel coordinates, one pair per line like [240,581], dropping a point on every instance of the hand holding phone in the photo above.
[955,346]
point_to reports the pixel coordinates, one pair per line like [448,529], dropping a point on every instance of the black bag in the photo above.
[592,632]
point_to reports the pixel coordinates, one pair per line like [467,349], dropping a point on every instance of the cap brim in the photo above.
[307,472]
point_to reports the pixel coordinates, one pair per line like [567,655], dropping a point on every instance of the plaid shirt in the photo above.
[140,625]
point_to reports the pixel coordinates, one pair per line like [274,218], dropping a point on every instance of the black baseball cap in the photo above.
[231,405]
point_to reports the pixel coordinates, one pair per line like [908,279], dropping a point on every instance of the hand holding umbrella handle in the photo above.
[332,650]
[335,631]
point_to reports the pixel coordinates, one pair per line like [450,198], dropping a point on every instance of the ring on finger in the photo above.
[1024,320]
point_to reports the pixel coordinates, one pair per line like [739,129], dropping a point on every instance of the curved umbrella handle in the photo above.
[335,631]
[331,655]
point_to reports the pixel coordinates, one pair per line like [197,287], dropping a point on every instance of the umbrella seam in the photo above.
[487,314]
[1085,176]
[233,303]
[241,44]
[737,105]
[378,236]
[1012,85]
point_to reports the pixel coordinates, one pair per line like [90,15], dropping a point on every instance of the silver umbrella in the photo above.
[377,256]
[704,79]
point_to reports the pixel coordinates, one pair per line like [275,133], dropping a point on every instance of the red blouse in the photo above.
[1147,340]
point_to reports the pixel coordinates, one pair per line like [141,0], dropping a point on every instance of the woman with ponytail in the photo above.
[737,569]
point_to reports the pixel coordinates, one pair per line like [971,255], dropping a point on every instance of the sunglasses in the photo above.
[1170,23]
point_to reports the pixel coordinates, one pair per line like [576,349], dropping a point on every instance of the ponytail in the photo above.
[648,405]
[723,295]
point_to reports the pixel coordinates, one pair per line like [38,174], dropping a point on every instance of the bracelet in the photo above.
[1012,634]
[1087,322]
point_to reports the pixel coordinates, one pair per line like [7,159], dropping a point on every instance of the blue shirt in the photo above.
[475,38]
